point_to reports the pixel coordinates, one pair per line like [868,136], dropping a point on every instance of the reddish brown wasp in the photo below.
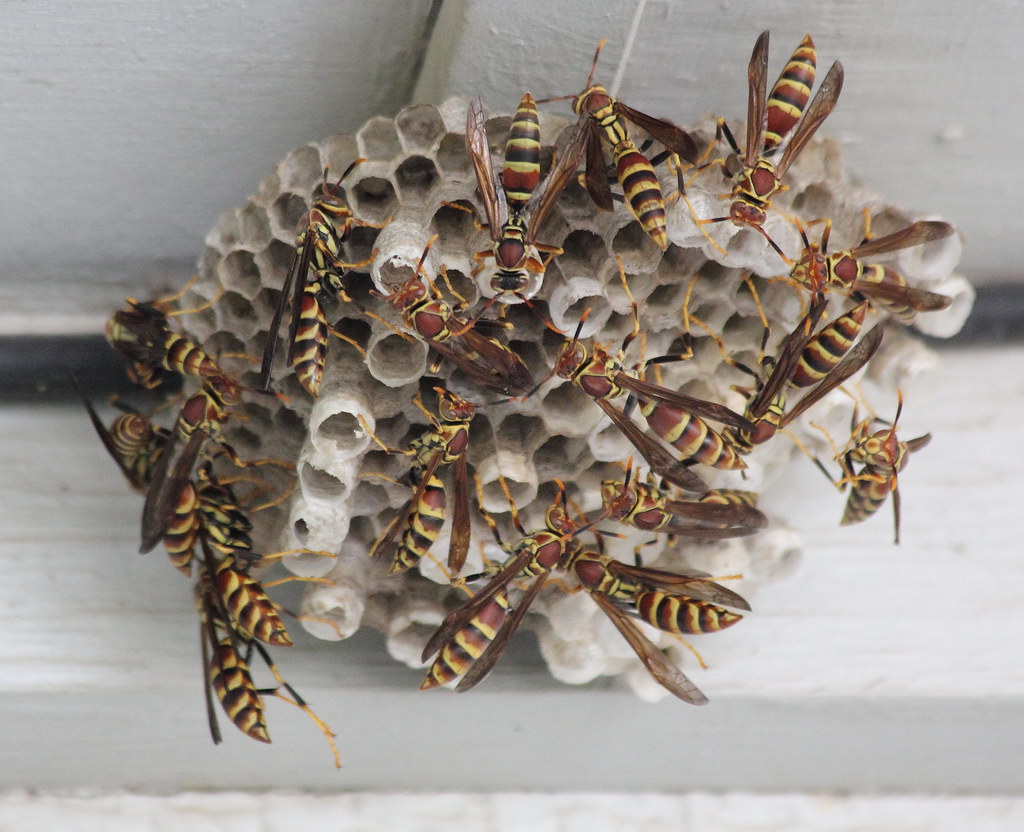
[200,419]
[422,517]
[673,416]
[766,408]
[883,456]
[473,636]
[605,118]
[322,233]
[756,178]
[484,360]
[515,213]
[680,604]
[881,285]
[648,508]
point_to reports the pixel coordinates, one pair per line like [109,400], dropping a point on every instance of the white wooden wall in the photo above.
[128,127]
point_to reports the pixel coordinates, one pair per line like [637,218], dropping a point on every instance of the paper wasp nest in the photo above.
[416,163]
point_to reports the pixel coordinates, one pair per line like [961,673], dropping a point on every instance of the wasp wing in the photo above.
[488,362]
[298,270]
[674,138]
[695,586]
[596,176]
[166,487]
[919,300]
[695,407]
[657,663]
[788,359]
[556,180]
[664,463]
[917,234]
[458,546]
[757,100]
[485,662]
[480,155]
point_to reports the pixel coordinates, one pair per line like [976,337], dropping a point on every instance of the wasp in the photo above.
[881,285]
[671,602]
[516,211]
[249,609]
[142,334]
[485,360]
[675,417]
[473,636]
[648,508]
[228,677]
[132,441]
[882,456]
[200,419]
[766,408]
[136,445]
[604,117]
[226,655]
[422,517]
[321,234]
[756,176]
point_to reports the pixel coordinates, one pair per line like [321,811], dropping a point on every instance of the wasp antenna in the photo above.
[593,66]
[579,325]
[785,259]
[348,170]
[555,98]
[423,257]
[472,322]
[803,232]
[825,234]
[899,410]
[629,473]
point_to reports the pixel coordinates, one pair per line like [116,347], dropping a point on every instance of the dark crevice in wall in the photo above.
[38,368]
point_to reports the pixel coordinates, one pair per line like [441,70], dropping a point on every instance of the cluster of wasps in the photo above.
[188,506]
[196,513]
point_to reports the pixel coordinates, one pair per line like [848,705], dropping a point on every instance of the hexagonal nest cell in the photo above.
[347,489]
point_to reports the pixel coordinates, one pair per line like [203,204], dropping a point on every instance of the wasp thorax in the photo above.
[225,390]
